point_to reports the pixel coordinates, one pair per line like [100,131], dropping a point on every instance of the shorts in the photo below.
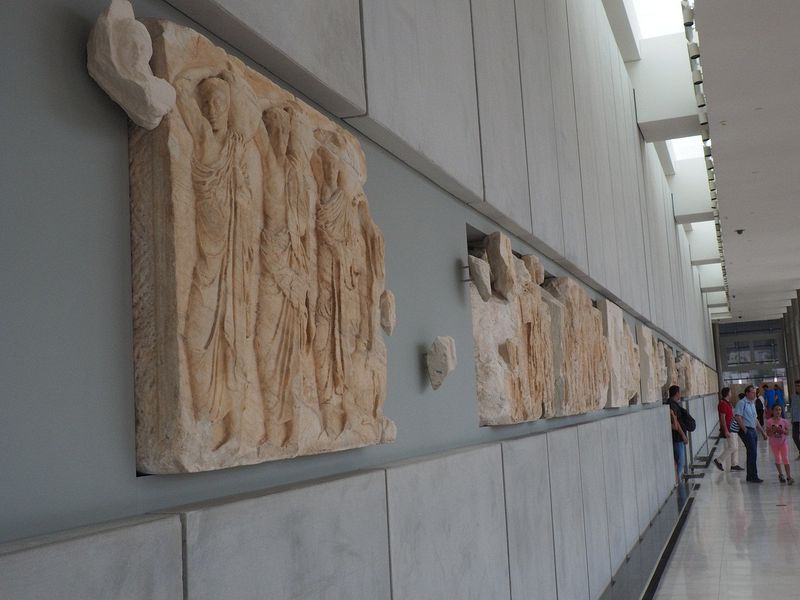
[780,450]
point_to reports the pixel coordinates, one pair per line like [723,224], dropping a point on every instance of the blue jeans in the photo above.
[751,445]
[679,454]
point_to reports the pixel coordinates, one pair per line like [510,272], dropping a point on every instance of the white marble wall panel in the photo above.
[136,558]
[612,470]
[712,415]
[698,436]
[585,83]
[572,575]
[324,541]
[640,471]
[627,469]
[663,447]
[634,273]
[595,508]
[620,177]
[420,76]
[649,425]
[497,64]
[569,166]
[447,527]
[530,518]
[675,283]
[665,457]
[658,226]
[608,167]
[644,203]
[540,130]
[313,45]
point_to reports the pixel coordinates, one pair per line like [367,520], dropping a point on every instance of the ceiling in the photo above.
[749,52]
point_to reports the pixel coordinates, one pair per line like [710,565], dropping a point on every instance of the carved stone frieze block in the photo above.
[649,364]
[258,273]
[513,350]
[623,357]
[672,369]
[501,261]
[585,349]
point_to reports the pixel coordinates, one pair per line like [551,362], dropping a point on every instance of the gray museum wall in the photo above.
[67,455]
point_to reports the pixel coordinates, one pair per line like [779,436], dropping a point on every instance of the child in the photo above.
[777,429]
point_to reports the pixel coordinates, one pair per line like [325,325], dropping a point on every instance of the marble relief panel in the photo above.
[258,272]
[513,339]
[650,364]
[623,357]
[585,349]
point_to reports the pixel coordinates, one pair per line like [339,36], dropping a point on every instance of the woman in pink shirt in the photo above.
[778,429]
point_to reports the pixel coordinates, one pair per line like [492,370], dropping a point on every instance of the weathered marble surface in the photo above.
[586,372]
[672,369]
[712,381]
[649,364]
[623,357]
[513,351]
[557,324]
[257,273]
[502,265]
[683,363]
[388,310]
[481,275]
[117,57]
[441,360]
[663,370]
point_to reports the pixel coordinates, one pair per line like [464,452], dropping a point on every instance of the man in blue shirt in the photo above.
[745,415]
[771,398]
[795,407]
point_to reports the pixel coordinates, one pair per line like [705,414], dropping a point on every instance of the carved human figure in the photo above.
[288,286]
[222,116]
[350,274]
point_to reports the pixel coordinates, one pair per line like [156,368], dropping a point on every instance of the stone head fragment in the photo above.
[441,360]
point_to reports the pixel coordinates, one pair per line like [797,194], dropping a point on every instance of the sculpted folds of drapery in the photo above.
[258,273]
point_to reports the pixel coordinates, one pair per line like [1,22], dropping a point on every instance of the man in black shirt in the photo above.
[679,439]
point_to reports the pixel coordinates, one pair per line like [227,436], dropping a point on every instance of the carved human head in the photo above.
[215,100]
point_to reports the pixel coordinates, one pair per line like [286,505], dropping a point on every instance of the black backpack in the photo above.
[687,421]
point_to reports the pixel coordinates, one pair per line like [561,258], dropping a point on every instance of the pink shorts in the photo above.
[780,450]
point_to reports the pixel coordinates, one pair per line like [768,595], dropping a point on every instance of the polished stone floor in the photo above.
[741,540]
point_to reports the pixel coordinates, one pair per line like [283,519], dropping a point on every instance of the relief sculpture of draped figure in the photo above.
[221,114]
[288,286]
[350,263]
[258,272]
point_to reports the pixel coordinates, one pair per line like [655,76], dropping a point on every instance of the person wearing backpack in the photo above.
[679,439]
[748,422]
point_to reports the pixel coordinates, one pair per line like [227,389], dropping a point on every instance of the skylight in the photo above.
[688,147]
[658,17]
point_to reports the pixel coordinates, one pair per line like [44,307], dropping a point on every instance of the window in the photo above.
[738,353]
[764,351]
